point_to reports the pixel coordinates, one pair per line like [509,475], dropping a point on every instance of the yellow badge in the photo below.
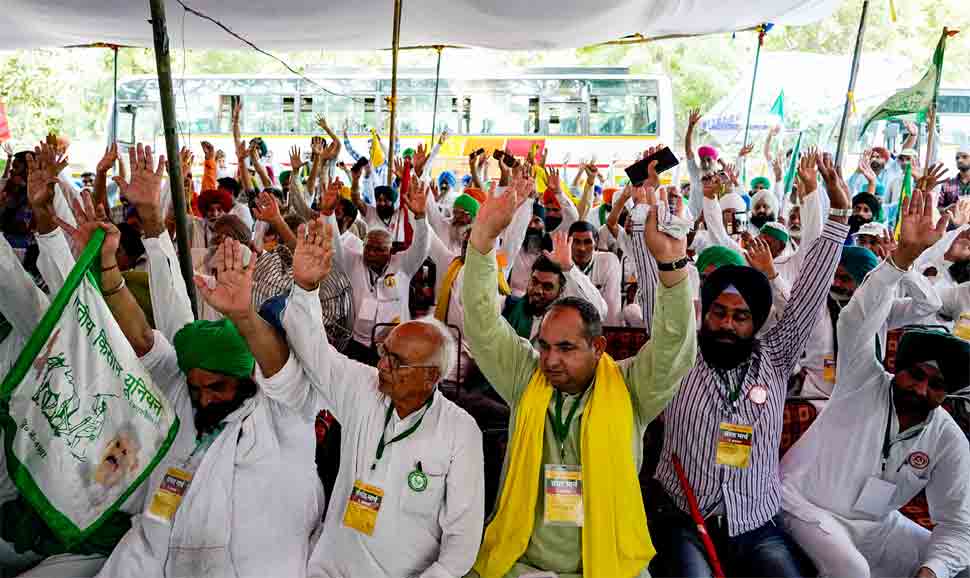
[362,507]
[390,281]
[170,492]
[564,495]
[829,369]
[734,445]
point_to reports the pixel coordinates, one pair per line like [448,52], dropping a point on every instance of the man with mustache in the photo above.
[882,439]
[953,189]
[725,422]
[532,247]
[822,354]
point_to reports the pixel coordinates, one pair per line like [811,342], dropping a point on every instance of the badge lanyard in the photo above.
[730,394]
[381,445]
[887,444]
[560,429]
[204,442]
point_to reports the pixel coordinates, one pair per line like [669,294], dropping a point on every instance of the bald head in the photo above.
[426,341]
[377,249]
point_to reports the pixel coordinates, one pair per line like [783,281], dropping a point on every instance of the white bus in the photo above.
[606,114]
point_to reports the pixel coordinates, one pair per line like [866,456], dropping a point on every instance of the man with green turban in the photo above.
[716,256]
[883,439]
[239,456]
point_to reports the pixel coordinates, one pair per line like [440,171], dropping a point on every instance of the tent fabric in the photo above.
[366,24]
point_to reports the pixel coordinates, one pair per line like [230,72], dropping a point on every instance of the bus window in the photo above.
[563,118]
[622,115]
[953,104]
[310,109]
[262,113]
[126,124]
[494,113]
[414,113]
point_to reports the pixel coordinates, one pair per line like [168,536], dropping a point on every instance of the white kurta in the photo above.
[826,470]
[431,533]
[605,274]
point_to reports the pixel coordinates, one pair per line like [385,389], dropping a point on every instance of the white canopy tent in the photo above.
[366,24]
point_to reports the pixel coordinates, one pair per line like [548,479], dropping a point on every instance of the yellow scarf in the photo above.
[376,153]
[614,536]
[444,297]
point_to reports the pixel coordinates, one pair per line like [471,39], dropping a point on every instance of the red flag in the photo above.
[4,125]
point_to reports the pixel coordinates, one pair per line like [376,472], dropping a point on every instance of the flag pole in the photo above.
[931,120]
[395,48]
[437,80]
[164,65]
[754,79]
[850,94]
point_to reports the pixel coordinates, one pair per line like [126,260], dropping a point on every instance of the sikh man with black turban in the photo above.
[724,424]
[883,439]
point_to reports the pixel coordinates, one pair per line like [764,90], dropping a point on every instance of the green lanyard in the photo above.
[559,428]
[381,445]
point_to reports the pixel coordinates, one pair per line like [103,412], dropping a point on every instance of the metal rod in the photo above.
[434,112]
[747,121]
[395,48]
[849,95]
[164,66]
[114,111]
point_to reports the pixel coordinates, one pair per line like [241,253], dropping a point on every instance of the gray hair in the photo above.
[381,233]
[445,357]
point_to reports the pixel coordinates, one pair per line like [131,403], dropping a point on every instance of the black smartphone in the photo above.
[360,164]
[510,161]
[666,160]
[497,154]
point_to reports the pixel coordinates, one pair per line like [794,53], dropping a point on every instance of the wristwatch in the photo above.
[674,266]
[840,212]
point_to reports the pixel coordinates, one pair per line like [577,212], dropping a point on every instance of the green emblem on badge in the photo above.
[417,481]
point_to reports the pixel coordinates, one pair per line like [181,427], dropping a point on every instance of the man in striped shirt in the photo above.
[725,422]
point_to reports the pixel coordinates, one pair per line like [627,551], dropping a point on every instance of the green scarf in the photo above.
[518,317]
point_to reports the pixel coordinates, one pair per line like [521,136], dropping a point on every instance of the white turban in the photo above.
[768,197]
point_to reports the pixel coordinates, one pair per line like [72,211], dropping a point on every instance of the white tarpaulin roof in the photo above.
[366,24]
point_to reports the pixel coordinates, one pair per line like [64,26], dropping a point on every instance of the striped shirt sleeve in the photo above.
[787,339]
[647,275]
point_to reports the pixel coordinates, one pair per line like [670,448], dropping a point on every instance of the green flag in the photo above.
[906,193]
[917,98]
[793,166]
[778,109]
[83,424]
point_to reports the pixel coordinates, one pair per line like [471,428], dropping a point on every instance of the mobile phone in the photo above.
[360,164]
[666,160]
[497,154]
[510,161]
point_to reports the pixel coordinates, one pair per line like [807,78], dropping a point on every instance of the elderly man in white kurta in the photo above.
[409,495]
[882,439]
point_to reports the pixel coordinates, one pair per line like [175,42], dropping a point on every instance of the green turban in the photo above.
[285,177]
[605,211]
[763,181]
[408,153]
[948,352]
[776,230]
[718,256]
[468,203]
[214,346]
[858,261]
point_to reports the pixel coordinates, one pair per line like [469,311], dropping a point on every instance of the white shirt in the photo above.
[829,466]
[383,297]
[604,272]
[434,533]
[245,215]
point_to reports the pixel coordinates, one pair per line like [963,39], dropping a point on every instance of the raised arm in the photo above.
[714,220]
[258,165]
[613,219]
[812,286]
[101,176]
[655,373]
[414,256]
[514,235]
[872,303]
[693,119]
[22,302]
[771,135]
[577,283]
[505,359]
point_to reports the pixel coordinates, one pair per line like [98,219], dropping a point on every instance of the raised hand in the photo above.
[420,159]
[296,158]
[331,196]
[918,231]
[663,247]
[865,167]
[8,148]
[759,256]
[694,118]
[885,247]
[89,219]
[220,156]
[145,187]
[808,172]
[417,198]
[745,150]
[322,123]
[443,137]
[730,170]
[187,159]
[331,151]
[42,174]
[253,150]
[494,216]
[552,181]
[777,170]
[960,211]
[233,292]
[109,159]
[312,258]
[562,250]
[208,150]
[933,176]
[242,151]
[267,209]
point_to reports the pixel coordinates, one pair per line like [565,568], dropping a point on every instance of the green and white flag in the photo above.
[83,423]
[917,98]
[778,108]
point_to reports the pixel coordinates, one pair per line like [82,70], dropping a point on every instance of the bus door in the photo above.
[138,123]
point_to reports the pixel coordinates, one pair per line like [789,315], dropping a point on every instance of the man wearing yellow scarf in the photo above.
[570,501]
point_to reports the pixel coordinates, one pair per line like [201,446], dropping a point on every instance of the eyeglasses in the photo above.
[394,362]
